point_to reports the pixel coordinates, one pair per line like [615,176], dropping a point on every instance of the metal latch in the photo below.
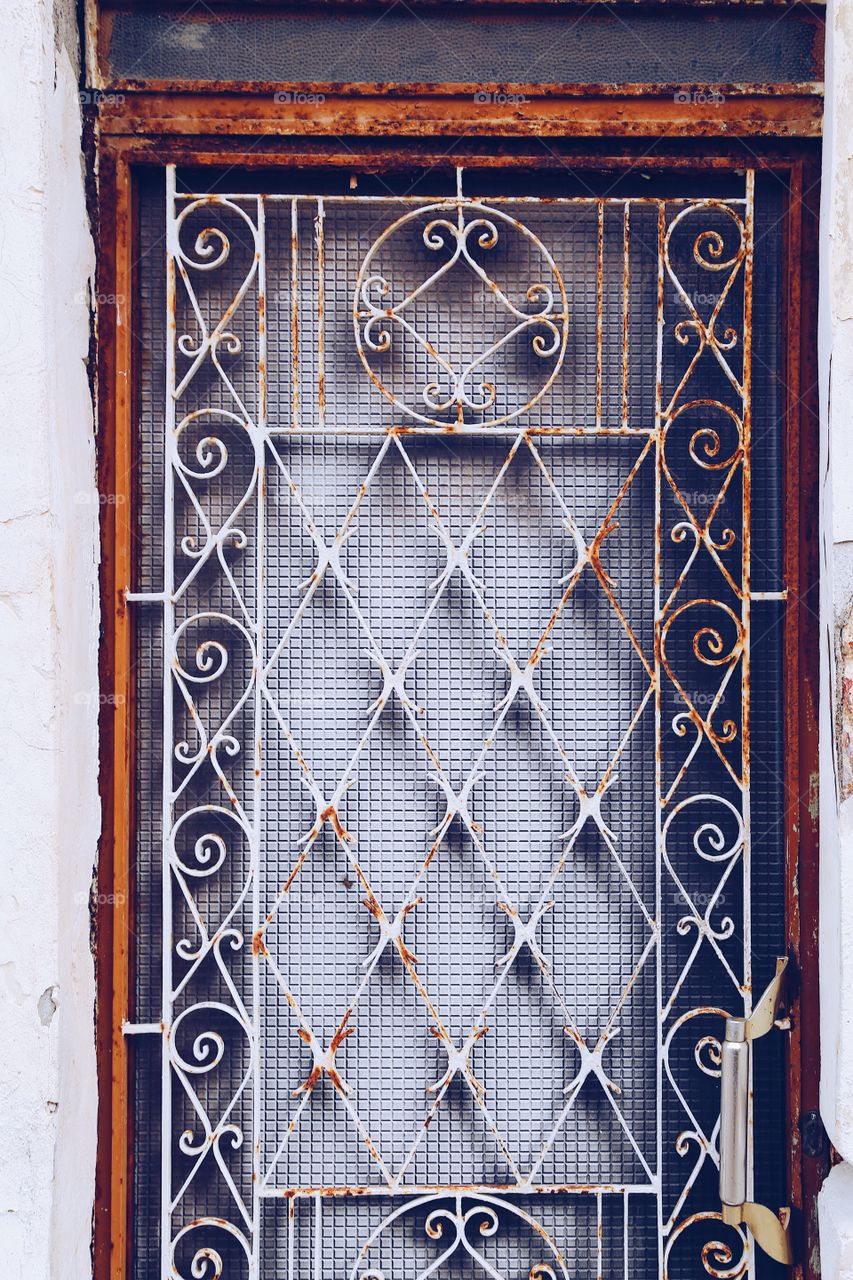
[769,1230]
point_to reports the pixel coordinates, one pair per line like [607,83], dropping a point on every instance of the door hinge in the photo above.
[815,1139]
[769,1229]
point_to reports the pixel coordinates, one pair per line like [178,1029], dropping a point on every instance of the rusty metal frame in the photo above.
[593,111]
[138,138]
[522,109]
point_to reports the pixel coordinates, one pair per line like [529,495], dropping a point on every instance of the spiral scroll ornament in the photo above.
[461,1224]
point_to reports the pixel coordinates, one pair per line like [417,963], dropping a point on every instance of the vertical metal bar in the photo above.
[321,311]
[599,321]
[801,693]
[626,283]
[746,571]
[294,308]
[291,1241]
[796,490]
[745,658]
[116,368]
[168,728]
[625,1219]
[257,799]
[658,727]
[318,1236]
[599,1232]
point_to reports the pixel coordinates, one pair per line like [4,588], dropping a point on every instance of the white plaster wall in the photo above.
[836,1221]
[48,647]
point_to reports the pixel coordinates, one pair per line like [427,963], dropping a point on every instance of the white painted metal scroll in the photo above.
[250,383]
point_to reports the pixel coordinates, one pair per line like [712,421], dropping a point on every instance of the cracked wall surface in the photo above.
[48,650]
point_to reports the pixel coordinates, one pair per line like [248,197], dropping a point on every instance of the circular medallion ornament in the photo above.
[460,315]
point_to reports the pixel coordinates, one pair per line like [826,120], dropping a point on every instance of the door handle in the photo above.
[769,1230]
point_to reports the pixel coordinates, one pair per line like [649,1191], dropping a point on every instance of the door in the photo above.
[459,604]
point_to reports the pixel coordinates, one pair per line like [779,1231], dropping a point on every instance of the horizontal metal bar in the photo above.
[509,1188]
[144,597]
[142,1028]
[193,113]
[452,429]
[591,202]
[456,89]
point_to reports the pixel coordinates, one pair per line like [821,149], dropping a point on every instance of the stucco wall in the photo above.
[48,649]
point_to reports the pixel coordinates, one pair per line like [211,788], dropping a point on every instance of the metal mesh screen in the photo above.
[394,44]
[446,624]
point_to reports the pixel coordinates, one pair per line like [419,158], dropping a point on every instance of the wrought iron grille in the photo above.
[453,646]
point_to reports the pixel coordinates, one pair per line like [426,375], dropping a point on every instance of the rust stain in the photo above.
[330,814]
[373,907]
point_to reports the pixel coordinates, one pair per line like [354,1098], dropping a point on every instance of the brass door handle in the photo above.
[769,1230]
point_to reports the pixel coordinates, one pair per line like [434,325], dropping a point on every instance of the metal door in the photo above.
[458,681]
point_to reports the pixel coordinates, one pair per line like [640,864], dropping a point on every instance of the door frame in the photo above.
[139,142]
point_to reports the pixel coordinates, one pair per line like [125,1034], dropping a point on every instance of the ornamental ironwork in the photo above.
[455,822]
